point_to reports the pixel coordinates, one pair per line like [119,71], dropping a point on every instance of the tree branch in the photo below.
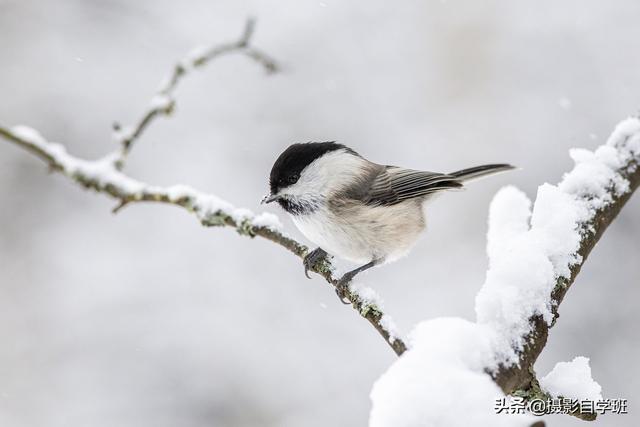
[520,378]
[105,176]
[163,103]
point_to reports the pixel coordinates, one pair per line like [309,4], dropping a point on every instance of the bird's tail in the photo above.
[480,171]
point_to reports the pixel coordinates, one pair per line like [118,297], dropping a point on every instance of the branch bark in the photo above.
[163,103]
[521,378]
[105,176]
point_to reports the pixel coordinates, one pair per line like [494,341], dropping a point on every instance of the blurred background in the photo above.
[147,319]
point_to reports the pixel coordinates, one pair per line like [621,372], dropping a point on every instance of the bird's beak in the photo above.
[269,198]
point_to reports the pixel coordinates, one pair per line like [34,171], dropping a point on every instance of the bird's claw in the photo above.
[342,289]
[312,259]
[315,257]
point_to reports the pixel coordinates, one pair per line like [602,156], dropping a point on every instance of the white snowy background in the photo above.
[147,319]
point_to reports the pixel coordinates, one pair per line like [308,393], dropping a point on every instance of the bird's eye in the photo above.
[292,179]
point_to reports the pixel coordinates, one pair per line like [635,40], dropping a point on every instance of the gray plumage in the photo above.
[356,209]
[393,184]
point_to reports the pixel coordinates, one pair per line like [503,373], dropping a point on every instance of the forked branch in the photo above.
[105,176]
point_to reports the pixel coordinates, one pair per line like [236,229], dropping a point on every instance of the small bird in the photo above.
[355,209]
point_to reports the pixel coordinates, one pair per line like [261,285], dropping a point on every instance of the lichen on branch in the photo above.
[106,175]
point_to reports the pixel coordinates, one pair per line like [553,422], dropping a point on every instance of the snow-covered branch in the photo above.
[566,223]
[535,255]
[453,366]
[106,176]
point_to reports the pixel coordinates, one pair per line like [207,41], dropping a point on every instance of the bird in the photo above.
[357,210]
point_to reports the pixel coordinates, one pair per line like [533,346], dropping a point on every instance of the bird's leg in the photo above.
[312,259]
[343,283]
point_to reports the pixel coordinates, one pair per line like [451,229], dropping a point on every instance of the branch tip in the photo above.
[119,206]
[249,28]
[164,104]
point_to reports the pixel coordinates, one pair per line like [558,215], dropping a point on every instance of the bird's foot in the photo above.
[342,285]
[342,288]
[313,259]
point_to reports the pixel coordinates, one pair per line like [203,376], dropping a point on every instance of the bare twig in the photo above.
[102,176]
[163,103]
[105,176]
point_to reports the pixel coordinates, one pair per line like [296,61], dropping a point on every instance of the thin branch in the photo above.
[163,103]
[103,177]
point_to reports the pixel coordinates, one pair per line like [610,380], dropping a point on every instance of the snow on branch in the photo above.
[566,223]
[572,380]
[455,366]
[105,176]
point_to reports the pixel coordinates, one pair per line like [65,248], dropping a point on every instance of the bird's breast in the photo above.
[360,233]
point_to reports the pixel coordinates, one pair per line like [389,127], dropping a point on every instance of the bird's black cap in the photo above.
[288,166]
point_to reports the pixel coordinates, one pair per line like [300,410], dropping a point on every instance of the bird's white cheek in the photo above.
[327,175]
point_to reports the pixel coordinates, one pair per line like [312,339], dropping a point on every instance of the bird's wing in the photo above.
[394,184]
